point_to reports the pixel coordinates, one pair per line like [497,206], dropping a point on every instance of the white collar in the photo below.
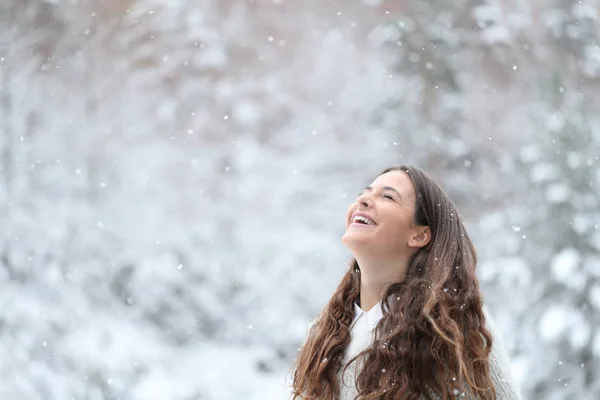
[373,316]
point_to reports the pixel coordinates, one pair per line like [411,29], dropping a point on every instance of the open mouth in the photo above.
[362,220]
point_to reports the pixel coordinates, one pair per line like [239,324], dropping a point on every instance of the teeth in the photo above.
[363,219]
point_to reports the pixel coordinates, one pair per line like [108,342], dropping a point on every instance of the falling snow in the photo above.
[158,164]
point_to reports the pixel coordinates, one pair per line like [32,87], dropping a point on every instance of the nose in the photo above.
[365,200]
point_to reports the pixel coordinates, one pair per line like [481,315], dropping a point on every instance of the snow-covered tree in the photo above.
[174,178]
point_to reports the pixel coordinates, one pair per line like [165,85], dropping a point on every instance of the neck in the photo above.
[370,295]
[375,279]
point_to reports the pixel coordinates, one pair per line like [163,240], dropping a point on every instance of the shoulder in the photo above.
[500,368]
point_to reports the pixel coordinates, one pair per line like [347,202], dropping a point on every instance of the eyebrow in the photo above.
[370,188]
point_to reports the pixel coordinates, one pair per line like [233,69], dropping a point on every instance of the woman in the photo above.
[407,321]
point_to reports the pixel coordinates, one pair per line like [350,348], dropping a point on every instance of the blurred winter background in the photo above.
[174,177]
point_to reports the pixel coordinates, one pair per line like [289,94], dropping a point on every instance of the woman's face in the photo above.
[381,220]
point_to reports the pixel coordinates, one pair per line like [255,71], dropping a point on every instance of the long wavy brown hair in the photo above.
[432,339]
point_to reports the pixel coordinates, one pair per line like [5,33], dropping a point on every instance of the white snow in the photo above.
[553,323]
[156,175]
[565,263]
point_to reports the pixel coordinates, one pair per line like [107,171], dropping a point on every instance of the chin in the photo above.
[353,241]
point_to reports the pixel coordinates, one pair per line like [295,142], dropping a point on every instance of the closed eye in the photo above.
[387,196]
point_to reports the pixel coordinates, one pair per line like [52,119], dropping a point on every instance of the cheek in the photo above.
[397,226]
[349,213]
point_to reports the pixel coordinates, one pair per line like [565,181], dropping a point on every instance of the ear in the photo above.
[420,237]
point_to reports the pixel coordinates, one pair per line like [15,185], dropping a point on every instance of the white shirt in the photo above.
[361,336]
[361,329]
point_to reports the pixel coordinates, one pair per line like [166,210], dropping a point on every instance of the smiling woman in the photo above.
[407,321]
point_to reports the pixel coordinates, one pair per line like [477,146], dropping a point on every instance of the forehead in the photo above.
[399,180]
